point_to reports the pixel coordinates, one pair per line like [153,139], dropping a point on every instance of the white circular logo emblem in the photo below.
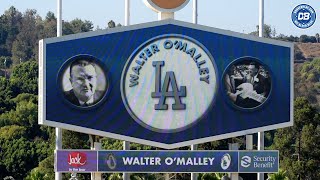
[225,161]
[169,83]
[245,161]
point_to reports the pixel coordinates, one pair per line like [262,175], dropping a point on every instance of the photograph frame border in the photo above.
[235,61]
[103,67]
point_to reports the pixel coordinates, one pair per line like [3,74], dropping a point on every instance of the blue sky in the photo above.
[235,15]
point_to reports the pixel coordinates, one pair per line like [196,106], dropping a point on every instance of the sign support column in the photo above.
[126,144]
[58,175]
[194,147]
[261,26]
[234,146]
[194,176]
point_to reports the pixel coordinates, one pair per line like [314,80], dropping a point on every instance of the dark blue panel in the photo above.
[114,50]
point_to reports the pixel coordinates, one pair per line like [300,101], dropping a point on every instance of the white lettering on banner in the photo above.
[141,161]
[268,158]
[263,165]
[77,169]
[179,161]
[195,161]
[264,161]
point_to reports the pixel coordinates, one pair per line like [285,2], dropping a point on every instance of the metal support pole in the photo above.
[234,146]
[195,11]
[260,147]
[194,176]
[261,17]
[58,175]
[165,15]
[127,12]
[126,145]
[249,142]
[261,27]
[59,18]
[97,176]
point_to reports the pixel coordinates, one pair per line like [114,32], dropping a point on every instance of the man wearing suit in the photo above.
[83,78]
[255,88]
[247,90]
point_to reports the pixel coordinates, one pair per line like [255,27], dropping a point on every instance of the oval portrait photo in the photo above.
[247,83]
[84,82]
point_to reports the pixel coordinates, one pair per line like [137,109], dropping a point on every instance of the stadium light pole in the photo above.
[58,175]
[261,26]
[126,144]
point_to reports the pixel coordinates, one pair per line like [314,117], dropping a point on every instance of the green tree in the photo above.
[48,27]
[24,78]
[267,31]
[76,26]
[299,145]
[307,81]
[10,26]
[36,174]
[75,140]
[23,47]
[111,24]
[307,39]
[5,62]
[18,156]
[5,96]
[12,132]
[317,37]
[25,114]
[46,166]
[281,175]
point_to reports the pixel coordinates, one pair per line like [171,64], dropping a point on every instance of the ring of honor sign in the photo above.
[166,84]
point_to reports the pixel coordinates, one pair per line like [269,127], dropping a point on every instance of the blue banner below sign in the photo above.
[171,161]
[168,161]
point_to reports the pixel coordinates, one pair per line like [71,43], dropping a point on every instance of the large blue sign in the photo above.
[166,83]
[166,161]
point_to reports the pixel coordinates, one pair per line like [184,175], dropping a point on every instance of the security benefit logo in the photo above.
[245,161]
[259,161]
[169,83]
[303,16]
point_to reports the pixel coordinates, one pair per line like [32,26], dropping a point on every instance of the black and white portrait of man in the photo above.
[247,83]
[84,82]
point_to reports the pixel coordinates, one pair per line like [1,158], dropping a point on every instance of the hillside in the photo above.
[309,50]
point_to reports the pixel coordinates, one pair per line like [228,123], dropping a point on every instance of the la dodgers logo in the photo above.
[169,83]
[163,93]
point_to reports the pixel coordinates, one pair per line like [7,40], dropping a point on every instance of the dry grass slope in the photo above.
[310,50]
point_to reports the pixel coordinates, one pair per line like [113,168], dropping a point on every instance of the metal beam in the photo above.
[58,176]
